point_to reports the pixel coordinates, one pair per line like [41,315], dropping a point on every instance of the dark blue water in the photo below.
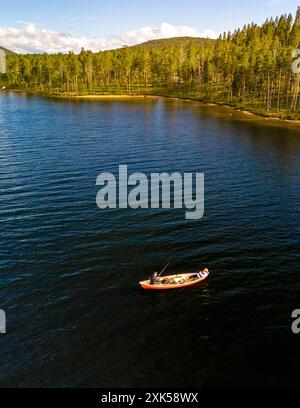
[69,272]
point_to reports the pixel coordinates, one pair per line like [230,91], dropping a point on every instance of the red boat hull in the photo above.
[146,284]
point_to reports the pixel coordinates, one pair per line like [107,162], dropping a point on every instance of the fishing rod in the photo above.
[163,269]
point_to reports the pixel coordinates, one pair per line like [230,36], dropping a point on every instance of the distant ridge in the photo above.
[173,41]
[159,43]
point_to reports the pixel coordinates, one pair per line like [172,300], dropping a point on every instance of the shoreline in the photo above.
[108,96]
[215,104]
[249,113]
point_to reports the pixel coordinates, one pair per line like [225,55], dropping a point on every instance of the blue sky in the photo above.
[99,18]
[102,18]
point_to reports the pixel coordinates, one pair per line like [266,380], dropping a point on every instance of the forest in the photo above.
[249,68]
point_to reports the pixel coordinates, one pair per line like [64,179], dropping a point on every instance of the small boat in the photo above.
[176,281]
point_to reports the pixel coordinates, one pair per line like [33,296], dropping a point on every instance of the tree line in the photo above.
[249,68]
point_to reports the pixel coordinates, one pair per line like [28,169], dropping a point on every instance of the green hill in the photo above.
[174,41]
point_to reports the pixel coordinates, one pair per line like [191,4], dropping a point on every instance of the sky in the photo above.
[63,25]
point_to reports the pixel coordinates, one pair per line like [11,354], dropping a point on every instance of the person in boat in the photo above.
[154,279]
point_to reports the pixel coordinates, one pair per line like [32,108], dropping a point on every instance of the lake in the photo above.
[69,271]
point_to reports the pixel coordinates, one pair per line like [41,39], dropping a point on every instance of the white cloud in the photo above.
[33,38]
